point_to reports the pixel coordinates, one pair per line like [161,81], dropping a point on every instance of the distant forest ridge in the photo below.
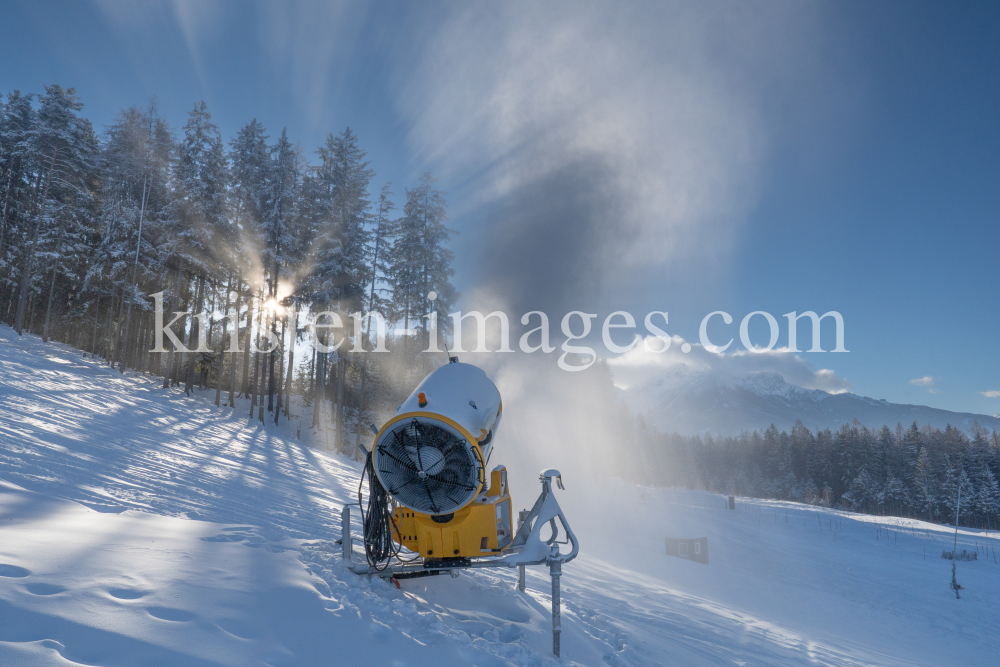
[909,472]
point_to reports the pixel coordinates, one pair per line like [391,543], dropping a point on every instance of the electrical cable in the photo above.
[378,522]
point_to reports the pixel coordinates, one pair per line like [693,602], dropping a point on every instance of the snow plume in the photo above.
[602,139]
[639,366]
[606,145]
[573,422]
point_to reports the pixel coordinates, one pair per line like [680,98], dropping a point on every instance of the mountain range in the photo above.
[706,402]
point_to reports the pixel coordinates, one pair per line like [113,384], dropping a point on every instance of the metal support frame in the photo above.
[521,516]
[555,569]
[527,548]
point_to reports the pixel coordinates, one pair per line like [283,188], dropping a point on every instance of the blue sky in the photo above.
[688,157]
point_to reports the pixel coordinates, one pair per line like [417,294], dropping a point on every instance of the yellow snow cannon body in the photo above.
[431,457]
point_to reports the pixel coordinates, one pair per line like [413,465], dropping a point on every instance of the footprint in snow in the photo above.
[126,593]
[13,571]
[44,589]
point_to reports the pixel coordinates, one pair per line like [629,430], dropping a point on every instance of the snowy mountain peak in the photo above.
[697,402]
[764,384]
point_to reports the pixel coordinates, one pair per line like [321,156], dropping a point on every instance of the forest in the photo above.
[93,224]
[915,472]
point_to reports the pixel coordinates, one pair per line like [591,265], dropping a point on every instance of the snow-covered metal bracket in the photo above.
[527,548]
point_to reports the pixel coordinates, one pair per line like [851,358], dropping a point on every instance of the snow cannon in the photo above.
[431,457]
[432,509]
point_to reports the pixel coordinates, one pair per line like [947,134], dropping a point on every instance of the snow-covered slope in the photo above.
[690,403]
[141,527]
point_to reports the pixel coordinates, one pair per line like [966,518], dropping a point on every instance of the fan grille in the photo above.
[426,467]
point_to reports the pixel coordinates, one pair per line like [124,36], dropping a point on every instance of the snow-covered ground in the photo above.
[142,527]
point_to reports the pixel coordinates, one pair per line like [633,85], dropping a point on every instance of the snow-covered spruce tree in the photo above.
[421,263]
[925,485]
[249,199]
[372,373]
[63,149]
[987,500]
[286,176]
[341,235]
[197,213]
[125,262]
[250,167]
[18,179]
[339,258]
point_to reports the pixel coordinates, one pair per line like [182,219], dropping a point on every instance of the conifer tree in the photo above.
[421,260]
[63,149]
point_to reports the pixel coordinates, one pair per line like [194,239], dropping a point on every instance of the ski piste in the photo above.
[190,513]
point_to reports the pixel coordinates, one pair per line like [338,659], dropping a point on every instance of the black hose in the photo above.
[378,520]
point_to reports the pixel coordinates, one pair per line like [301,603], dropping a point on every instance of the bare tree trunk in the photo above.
[174,295]
[319,388]
[48,308]
[256,366]
[135,270]
[139,354]
[195,335]
[212,291]
[236,333]
[274,318]
[52,284]
[222,347]
[341,417]
[312,386]
[3,215]
[97,320]
[263,375]
[28,265]
[109,328]
[245,391]
[281,369]
[31,315]
[270,372]
[180,357]
[291,363]
[119,331]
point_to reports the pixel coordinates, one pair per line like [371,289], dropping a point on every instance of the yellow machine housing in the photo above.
[481,528]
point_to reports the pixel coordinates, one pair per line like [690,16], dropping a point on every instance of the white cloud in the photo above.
[991,394]
[636,367]
[925,381]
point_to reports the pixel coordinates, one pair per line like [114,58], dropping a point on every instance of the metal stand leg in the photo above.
[520,568]
[555,569]
[347,548]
